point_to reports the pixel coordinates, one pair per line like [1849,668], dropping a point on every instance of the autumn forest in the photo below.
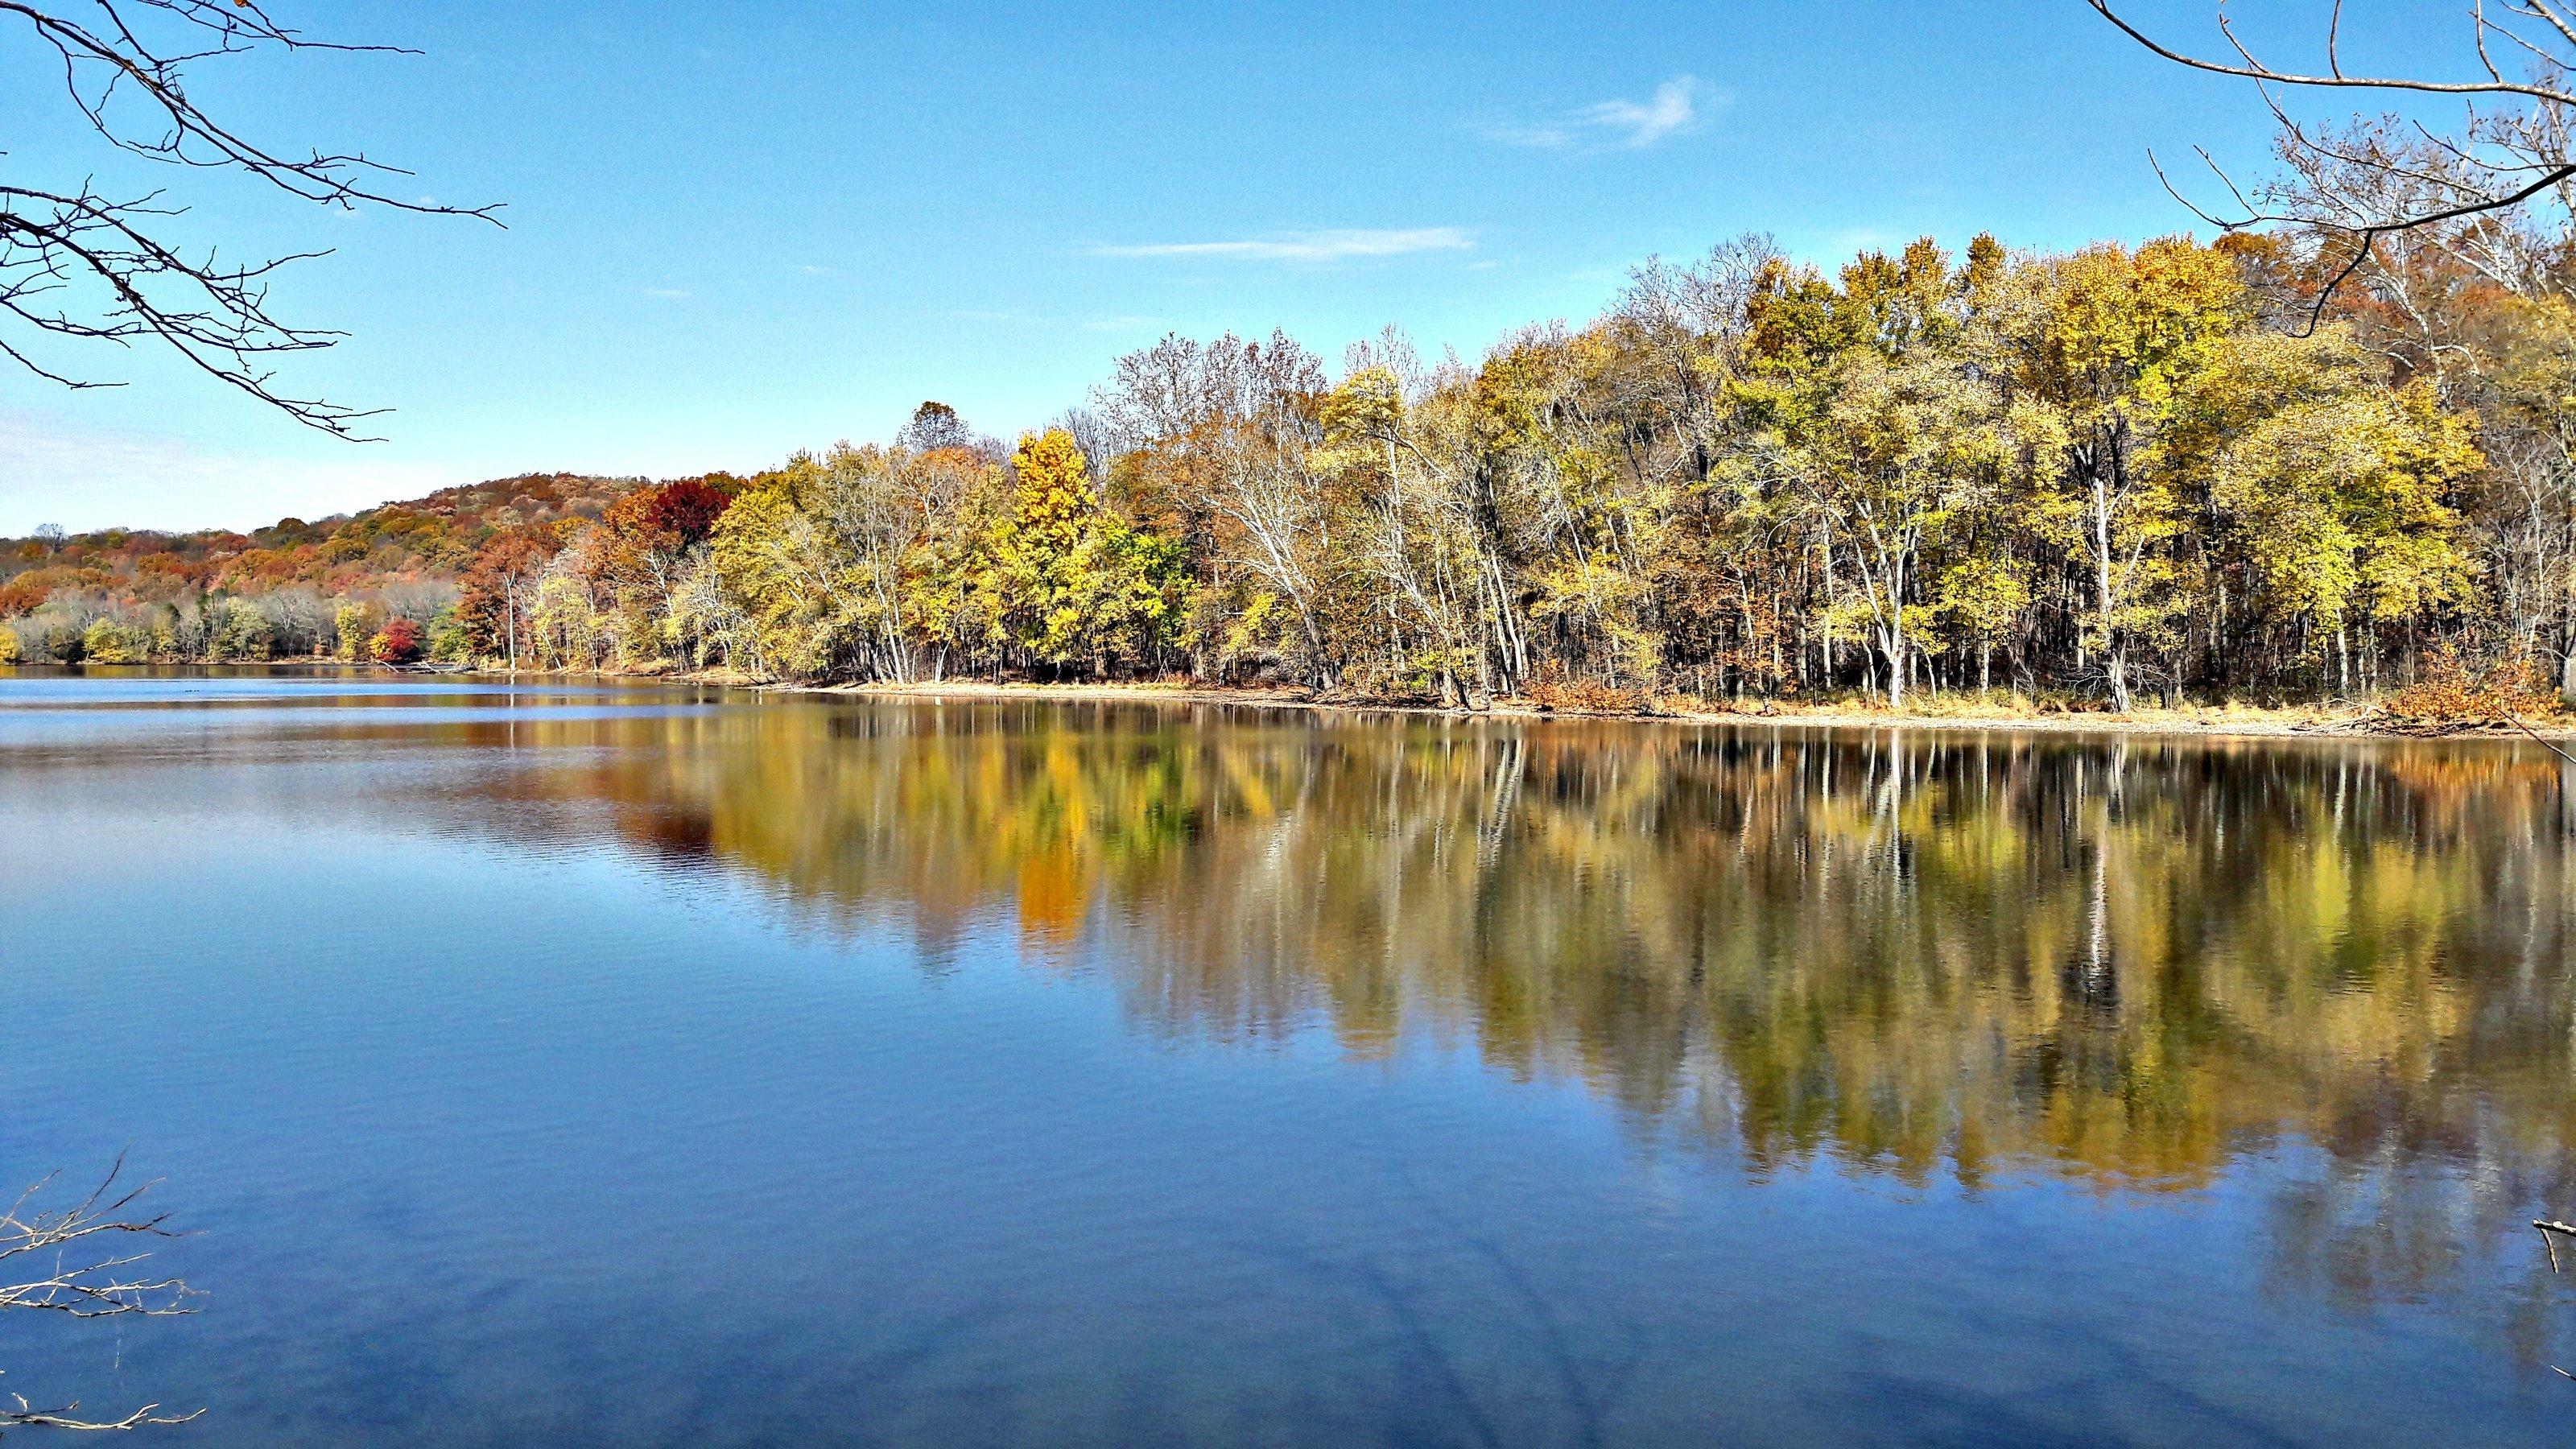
[2114,477]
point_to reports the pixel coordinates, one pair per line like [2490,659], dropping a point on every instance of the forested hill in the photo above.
[294,588]
[423,539]
[423,543]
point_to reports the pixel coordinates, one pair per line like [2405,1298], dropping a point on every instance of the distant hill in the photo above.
[425,541]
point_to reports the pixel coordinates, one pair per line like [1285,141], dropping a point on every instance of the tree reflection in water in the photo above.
[2125,961]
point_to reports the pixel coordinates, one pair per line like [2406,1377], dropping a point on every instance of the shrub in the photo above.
[1588,696]
[10,652]
[2448,694]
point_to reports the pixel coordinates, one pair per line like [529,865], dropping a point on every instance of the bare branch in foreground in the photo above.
[2354,190]
[79,1271]
[77,264]
[26,1416]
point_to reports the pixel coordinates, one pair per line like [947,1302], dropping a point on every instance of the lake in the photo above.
[588,1064]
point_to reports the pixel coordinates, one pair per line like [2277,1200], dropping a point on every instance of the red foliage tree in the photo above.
[688,509]
[646,536]
[500,587]
[23,595]
[399,642]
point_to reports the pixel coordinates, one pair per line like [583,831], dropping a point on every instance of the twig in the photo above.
[2543,740]
[2473,184]
[2546,1228]
[28,1416]
[83,1285]
[79,265]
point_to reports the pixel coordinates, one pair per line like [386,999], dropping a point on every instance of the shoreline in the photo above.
[2192,722]
[2215,722]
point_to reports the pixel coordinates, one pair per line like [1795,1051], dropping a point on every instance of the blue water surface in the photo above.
[570,1063]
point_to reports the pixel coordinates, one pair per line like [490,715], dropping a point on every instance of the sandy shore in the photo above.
[2208,722]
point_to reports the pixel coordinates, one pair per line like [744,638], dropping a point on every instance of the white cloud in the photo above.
[672,292]
[1676,106]
[1308,246]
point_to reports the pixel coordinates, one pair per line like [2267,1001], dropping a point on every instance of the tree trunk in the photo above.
[2114,649]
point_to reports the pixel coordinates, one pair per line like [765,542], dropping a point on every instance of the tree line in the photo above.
[2328,455]
[2114,474]
[290,590]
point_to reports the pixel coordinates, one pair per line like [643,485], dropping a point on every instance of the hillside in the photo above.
[293,588]
[423,541]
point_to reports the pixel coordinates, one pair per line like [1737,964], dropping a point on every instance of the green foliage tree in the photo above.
[114,641]
[353,624]
[2108,338]
[2333,487]
[240,633]
[1891,464]
[772,564]
[446,639]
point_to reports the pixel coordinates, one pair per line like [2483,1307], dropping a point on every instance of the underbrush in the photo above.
[2451,695]
[1591,696]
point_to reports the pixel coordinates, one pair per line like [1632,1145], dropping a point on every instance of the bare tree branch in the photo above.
[77,264]
[2253,69]
[2350,193]
[77,1273]
[27,1416]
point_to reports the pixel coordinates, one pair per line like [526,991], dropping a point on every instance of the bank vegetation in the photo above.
[2114,478]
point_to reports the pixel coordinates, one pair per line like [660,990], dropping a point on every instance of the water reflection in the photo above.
[2171,1089]
[2125,961]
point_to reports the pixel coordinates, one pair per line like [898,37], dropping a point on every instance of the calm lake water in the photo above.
[571,1064]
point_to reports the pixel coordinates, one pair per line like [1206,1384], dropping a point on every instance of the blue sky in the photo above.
[737,229]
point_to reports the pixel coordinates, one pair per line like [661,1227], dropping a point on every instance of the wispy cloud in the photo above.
[1676,106]
[1308,246]
[668,292]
